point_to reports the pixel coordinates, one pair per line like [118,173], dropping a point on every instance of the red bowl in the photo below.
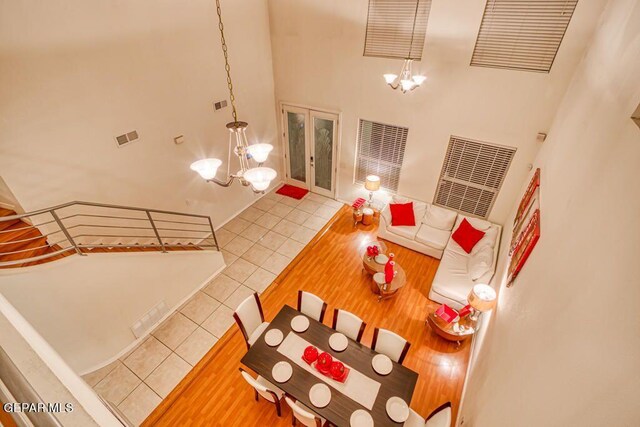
[310,354]
[324,362]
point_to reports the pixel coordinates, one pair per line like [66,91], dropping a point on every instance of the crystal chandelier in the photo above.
[258,178]
[407,81]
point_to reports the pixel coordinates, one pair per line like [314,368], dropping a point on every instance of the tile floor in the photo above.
[257,245]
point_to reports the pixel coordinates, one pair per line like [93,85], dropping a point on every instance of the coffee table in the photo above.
[370,265]
[445,330]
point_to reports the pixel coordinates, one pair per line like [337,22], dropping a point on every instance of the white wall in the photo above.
[75,74]
[317,50]
[85,306]
[564,341]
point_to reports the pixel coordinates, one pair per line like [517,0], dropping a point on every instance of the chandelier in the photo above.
[406,81]
[258,178]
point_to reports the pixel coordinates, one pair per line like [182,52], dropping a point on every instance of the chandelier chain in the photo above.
[227,67]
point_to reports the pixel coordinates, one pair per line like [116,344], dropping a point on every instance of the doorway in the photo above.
[311,147]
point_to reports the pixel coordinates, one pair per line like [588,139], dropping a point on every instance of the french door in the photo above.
[311,146]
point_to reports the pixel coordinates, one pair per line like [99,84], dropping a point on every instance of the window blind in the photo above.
[380,152]
[522,34]
[396,28]
[472,174]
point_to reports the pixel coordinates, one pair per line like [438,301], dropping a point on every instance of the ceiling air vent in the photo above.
[127,138]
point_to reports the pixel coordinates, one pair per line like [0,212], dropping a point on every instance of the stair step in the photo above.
[32,244]
[6,224]
[7,212]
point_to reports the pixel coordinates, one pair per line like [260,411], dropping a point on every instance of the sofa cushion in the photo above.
[419,211]
[452,279]
[433,237]
[440,218]
[488,240]
[408,232]
[467,236]
[402,214]
[479,224]
[399,199]
[480,262]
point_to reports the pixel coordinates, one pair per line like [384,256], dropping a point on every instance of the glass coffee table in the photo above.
[376,269]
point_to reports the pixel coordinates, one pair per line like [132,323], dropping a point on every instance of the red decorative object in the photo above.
[388,269]
[447,313]
[310,354]
[323,364]
[526,228]
[402,214]
[467,236]
[293,192]
[465,311]
[337,370]
[373,250]
[359,202]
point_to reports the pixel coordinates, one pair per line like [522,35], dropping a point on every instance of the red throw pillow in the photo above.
[402,214]
[467,236]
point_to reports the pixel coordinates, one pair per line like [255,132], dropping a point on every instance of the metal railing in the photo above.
[81,227]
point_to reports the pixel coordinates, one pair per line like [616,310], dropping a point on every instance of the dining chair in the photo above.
[440,417]
[250,319]
[349,324]
[264,388]
[303,414]
[390,343]
[311,305]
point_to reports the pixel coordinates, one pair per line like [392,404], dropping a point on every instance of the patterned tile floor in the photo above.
[257,245]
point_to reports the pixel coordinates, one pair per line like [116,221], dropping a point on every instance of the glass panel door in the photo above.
[297,152]
[323,153]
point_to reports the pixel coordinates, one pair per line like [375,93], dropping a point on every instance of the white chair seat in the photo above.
[256,334]
[440,419]
[414,419]
[306,408]
[263,382]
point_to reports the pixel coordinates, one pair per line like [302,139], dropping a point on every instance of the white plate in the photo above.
[397,409]
[320,395]
[300,323]
[382,364]
[361,418]
[281,372]
[338,342]
[381,259]
[273,337]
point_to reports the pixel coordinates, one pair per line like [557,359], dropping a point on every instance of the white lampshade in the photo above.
[419,79]
[482,297]
[260,152]
[260,178]
[207,168]
[390,78]
[407,84]
[372,183]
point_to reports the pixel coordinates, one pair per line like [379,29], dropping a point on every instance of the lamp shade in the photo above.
[260,152]
[372,183]
[260,178]
[207,168]
[482,297]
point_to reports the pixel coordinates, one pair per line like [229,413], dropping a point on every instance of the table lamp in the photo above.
[372,183]
[481,298]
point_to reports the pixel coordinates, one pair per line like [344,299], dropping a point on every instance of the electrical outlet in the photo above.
[178,139]
[220,104]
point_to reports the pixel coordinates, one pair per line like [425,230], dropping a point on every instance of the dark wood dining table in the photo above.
[261,358]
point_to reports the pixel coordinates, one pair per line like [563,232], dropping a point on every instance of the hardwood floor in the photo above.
[213,393]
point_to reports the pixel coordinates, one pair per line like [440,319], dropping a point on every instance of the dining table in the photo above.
[363,389]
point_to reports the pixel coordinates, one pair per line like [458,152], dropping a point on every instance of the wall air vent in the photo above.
[127,138]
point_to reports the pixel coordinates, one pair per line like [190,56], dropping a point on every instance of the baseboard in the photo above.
[138,341]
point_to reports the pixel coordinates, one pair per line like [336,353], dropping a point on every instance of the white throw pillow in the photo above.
[489,239]
[419,211]
[442,219]
[479,224]
[399,199]
[480,263]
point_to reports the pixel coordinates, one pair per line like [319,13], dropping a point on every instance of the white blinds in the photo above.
[380,152]
[396,28]
[471,175]
[522,34]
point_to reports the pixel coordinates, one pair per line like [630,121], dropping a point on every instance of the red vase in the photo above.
[388,269]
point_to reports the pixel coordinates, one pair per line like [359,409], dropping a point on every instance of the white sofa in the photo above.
[429,236]
[458,271]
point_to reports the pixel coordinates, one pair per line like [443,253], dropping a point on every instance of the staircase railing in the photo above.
[81,227]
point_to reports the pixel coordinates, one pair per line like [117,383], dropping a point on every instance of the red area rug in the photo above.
[293,192]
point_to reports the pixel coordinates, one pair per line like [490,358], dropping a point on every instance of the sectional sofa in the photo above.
[458,271]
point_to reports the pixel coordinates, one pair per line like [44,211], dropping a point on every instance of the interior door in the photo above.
[296,139]
[324,137]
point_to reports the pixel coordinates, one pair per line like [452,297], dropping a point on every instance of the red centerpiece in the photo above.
[323,364]
[310,354]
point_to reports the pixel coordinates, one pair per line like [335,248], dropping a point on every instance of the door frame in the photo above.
[282,105]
